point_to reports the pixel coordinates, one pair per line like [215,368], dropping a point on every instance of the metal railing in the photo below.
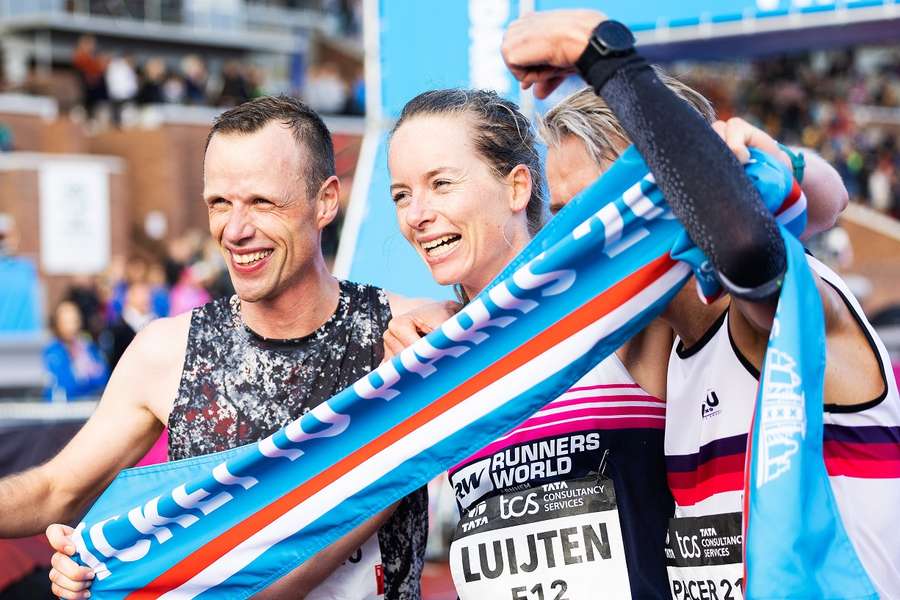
[37,410]
[21,363]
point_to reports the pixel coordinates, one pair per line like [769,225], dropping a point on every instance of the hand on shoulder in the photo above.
[740,136]
[412,319]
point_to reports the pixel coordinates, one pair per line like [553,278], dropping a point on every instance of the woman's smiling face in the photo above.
[464,220]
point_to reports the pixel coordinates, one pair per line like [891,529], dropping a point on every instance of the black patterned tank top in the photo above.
[238,387]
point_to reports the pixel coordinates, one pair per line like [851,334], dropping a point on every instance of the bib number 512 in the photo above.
[558,587]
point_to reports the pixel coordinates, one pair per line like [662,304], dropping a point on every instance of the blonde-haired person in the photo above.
[584,137]
[587,116]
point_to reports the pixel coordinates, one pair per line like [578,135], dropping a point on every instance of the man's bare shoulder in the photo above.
[150,370]
[163,341]
[129,418]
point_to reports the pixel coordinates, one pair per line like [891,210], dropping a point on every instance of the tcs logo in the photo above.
[518,506]
[687,545]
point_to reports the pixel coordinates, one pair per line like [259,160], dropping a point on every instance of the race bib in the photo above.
[703,557]
[360,577]
[559,541]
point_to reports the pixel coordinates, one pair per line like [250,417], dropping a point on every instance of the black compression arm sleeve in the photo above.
[700,177]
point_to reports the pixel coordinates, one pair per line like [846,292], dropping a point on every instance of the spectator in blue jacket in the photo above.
[20,292]
[76,366]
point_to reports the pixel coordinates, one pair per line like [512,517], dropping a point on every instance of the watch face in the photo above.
[615,36]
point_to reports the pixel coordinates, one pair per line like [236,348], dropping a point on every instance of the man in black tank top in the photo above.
[236,370]
[238,387]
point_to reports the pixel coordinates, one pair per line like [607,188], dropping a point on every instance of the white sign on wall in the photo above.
[74,218]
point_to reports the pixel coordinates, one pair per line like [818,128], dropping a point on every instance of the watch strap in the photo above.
[597,67]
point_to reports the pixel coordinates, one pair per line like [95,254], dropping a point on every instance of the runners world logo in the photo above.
[472,482]
[710,406]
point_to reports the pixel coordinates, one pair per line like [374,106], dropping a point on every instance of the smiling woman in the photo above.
[468,187]
[471,202]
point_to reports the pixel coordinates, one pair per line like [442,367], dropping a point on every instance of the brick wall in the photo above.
[32,133]
[164,165]
[163,168]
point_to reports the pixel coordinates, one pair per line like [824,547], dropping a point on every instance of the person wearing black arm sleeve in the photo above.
[719,348]
[696,182]
[701,179]
[742,242]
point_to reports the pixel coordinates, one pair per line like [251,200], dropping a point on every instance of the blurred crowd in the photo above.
[99,316]
[119,80]
[330,92]
[845,104]
[349,14]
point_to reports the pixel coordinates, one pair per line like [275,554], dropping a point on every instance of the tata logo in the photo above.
[710,406]
[472,482]
[477,510]
[468,526]
[475,517]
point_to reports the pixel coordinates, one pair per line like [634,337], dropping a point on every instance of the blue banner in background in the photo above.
[651,14]
[423,46]
[430,45]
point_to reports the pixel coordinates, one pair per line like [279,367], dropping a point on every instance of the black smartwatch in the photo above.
[610,42]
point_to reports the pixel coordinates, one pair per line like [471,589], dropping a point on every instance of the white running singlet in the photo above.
[710,399]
